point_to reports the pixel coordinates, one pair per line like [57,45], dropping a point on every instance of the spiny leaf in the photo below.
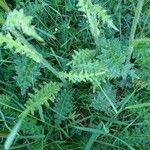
[4,99]
[100,102]
[47,92]
[63,105]
[26,49]
[27,72]
[20,47]
[113,58]
[17,20]
[94,13]
[81,76]
[85,67]
[31,127]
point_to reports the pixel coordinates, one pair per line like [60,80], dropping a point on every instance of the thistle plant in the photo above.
[74,75]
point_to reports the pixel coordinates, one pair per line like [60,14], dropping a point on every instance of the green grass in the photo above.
[74,75]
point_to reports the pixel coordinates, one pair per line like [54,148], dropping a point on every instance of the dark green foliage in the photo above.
[142,55]
[31,127]
[114,58]
[27,72]
[74,75]
[100,102]
[5,99]
[63,106]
